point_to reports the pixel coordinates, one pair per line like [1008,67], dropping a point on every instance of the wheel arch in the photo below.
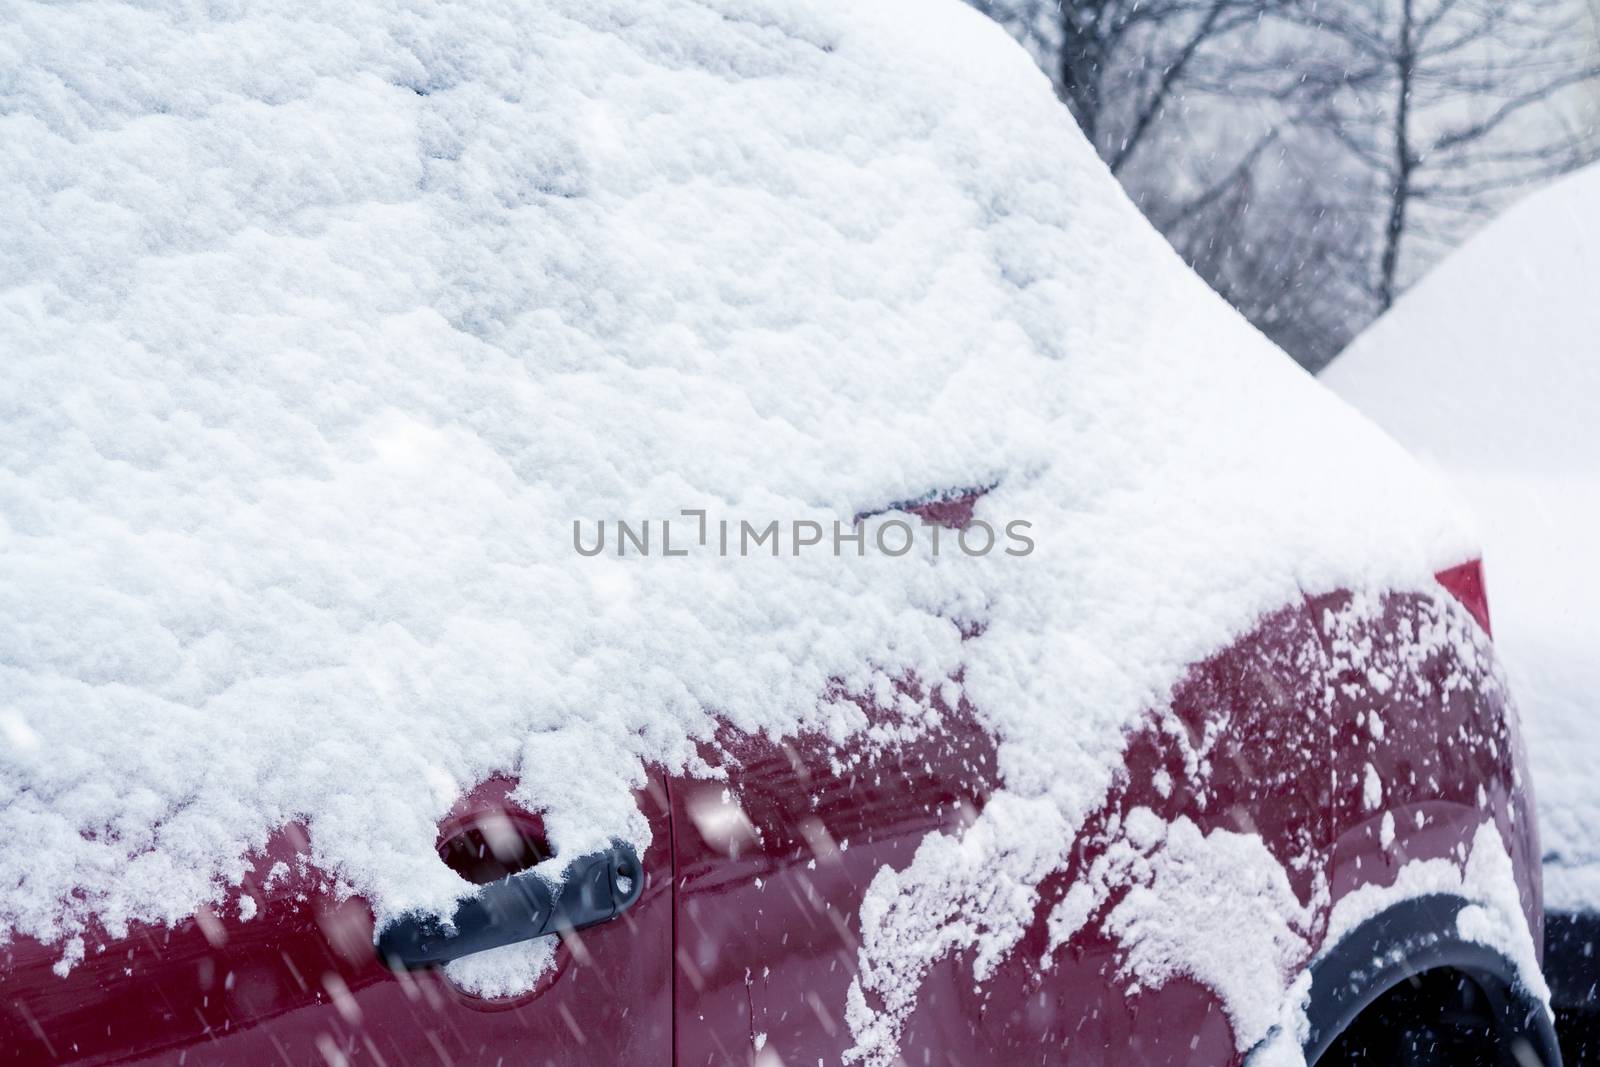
[1405,940]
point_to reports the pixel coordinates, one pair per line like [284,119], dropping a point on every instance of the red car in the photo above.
[733,940]
[1121,719]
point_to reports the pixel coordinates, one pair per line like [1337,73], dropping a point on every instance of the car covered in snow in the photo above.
[696,532]
[1487,371]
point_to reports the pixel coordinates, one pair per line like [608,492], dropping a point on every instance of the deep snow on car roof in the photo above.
[323,326]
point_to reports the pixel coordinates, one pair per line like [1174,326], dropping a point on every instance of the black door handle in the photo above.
[517,908]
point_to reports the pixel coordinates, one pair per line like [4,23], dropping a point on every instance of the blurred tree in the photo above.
[1428,96]
[1310,158]
[1117,64]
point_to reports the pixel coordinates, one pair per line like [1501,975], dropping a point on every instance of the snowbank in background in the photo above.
[322,324]
[1490,370]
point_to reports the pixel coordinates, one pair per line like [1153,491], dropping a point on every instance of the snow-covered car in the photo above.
[1490,371]
[695,533]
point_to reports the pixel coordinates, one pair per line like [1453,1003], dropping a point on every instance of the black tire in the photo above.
[1440,1018]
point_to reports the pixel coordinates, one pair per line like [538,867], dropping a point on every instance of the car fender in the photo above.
[1410,937]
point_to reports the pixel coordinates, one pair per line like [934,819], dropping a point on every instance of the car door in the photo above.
[772,865]
[286,973]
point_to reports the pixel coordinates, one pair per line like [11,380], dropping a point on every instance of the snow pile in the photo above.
[1216,907]
[323,324]
[1490,370]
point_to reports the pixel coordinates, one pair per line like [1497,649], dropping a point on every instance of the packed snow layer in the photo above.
[1490,370]
[323,324]
[1218,908]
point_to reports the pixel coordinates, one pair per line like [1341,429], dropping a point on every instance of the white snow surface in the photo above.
[1490,370]
[322,323]
[507,971]
[1218,908]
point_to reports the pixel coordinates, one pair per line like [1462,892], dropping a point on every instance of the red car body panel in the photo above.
[745,940]
[1279,739]
[1257,774]
[1449,757]
[299,983]
[767,923]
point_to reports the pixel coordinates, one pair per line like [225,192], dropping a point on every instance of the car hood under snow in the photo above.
[323,324]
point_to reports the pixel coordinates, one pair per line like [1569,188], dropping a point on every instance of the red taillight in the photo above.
[1465,583]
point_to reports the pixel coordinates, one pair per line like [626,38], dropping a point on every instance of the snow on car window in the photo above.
[325,330]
